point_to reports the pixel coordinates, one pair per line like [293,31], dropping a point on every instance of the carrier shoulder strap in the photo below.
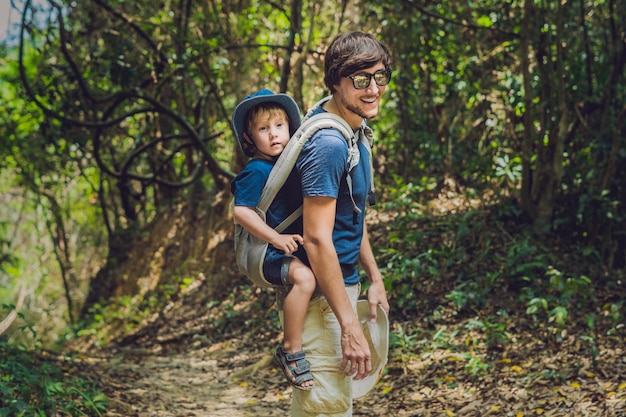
[287,159]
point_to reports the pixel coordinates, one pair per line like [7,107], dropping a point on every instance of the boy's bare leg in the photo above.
[295,307]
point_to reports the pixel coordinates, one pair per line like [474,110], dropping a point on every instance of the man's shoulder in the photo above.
[329,139]
[330,132]
[327,143]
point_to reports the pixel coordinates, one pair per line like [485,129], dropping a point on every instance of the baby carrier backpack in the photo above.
[250,250]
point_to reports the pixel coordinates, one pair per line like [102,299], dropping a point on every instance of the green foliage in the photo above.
[31,385]
[121,315]
[509,170]
[6,257]
[403,343]
[475,366]
[105,322]
[559,299]
[493,331]
[458,106]
[483,254]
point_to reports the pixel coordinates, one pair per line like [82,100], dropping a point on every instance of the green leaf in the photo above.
[484,21]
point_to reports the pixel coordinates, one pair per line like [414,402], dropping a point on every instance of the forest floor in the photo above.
[205,358]
[200,383]
[177,369]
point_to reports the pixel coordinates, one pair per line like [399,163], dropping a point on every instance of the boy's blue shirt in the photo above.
[248,185]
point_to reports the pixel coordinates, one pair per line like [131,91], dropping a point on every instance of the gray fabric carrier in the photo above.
[250,250]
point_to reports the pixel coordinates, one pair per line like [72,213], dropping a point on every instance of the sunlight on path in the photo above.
[190,386]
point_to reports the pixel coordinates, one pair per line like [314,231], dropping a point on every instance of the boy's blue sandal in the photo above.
[295,375]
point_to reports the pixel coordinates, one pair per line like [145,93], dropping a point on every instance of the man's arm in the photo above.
[376,295]
[319,221]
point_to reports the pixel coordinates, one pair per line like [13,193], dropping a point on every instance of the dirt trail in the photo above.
[199,384]
[196,384]
[203,383]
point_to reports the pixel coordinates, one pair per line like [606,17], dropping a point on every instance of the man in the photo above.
[335,194]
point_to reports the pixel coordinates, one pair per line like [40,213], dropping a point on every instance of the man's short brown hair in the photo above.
[351,52]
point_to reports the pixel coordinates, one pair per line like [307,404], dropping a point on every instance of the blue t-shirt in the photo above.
[323,165]
[248,185]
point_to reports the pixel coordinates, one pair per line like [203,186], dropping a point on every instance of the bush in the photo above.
[30,385]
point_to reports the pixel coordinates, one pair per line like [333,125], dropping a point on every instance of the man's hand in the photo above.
[356,359]
[377,296]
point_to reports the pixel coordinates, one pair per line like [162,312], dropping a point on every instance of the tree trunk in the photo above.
[528,99]
[539,195]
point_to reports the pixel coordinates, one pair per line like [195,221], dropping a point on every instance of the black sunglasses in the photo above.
[362,80]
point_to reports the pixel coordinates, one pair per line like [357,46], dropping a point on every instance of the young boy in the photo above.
[264,122]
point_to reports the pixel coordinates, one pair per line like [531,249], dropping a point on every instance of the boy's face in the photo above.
[269,131]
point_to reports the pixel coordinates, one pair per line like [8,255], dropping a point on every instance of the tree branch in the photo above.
[454,22]
[10,318]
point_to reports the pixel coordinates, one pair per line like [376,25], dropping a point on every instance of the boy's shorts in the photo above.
[276,266]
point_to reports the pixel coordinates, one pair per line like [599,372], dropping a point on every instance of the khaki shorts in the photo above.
[321,340]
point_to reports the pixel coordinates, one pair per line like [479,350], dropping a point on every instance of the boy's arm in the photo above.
[252,222]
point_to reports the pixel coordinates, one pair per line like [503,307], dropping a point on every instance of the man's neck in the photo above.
[352,119]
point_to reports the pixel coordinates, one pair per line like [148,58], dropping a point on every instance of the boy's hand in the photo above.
[287,243]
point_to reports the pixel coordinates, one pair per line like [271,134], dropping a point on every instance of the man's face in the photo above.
[364,103]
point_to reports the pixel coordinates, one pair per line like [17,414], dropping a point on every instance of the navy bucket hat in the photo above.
[264,96]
